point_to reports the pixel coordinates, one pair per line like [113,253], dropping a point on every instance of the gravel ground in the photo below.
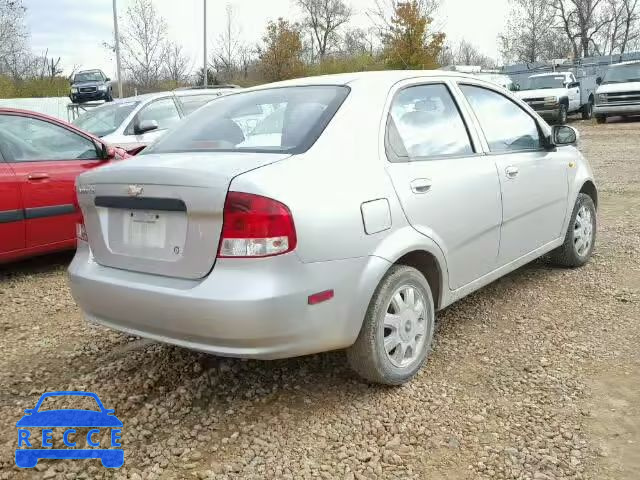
[534,377]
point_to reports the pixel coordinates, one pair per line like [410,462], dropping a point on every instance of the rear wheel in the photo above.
[397,331]
[580,237]
[601,119]
[587,110]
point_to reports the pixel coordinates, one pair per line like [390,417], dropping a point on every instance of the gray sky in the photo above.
[76,29]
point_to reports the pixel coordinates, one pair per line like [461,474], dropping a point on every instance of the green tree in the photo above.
[408,43]
[281,55]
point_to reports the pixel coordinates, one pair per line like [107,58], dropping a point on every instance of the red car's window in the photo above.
[24,139]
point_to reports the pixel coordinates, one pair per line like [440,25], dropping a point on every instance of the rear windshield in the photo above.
[286,119]
[623,73]
[105,119]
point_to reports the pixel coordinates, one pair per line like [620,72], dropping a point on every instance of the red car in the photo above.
[40,158]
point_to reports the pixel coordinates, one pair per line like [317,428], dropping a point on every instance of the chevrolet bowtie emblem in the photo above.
[135,190]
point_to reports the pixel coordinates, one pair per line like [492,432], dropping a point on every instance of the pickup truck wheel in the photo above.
[601,119]
[397,331]
[580,237]
[587,110]
[562,114]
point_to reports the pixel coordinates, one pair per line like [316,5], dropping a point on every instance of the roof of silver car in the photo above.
[387,76]
[178,93]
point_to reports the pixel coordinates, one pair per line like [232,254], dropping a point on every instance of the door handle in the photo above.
[511,171]
[421,185]
[38,176]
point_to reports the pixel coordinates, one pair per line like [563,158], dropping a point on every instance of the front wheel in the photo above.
[397,331]
[587,110]
[580,237]
[562,114]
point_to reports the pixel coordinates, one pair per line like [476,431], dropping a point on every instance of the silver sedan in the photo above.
[359,206]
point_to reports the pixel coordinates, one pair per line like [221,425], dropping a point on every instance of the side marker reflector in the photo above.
[320,297]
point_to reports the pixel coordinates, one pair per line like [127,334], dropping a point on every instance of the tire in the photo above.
[587,110]
[109,97]
[573,252]
[601,119]
[368,355]
[562,114]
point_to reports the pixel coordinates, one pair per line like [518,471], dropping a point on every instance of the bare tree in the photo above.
[533,33]
[144,40]
[15,57]
[226,55]
[324,18]
[582,22]
[467,54]
[357,41]
[177,63]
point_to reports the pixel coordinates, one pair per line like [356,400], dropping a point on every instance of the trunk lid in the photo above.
[162,214]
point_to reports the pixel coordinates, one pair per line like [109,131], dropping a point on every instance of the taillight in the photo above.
[81,232]
[255,226]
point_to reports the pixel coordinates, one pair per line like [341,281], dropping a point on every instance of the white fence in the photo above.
[54,106]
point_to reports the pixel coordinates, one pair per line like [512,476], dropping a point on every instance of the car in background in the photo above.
[498,78]
[556,95]
[358,207]
[133,123]
[91,85]
[40,158]
[618,92]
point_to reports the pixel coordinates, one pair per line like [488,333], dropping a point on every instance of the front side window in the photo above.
[163,111]
[506,126]
[235,122]
[24,139]
[425,122]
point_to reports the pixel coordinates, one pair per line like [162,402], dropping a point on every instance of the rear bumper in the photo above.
[605,109]
[244,308]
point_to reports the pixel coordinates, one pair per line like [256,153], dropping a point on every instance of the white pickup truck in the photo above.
[618,93]
[555,95]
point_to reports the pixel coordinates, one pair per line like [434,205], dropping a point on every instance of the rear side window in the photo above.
[506,126]
[190,103]
[425,122]
[287,119]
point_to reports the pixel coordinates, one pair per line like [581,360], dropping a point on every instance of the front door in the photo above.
[533,181]
[46,158]
[11,212]
[449,190]
[574,94]
[164,111]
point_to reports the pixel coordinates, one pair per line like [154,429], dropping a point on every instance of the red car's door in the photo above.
[46,158]
[12,237]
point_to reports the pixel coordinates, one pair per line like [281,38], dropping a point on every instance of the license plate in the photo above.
[145,229]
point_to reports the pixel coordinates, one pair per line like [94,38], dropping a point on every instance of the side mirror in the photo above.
[29,411]
[145,126]
[515,87]
[107,79]
[564,135]
[105,153]
[574,85]
[599,80]
[109,411]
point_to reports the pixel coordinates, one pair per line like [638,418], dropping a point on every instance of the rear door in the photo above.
[448,188]
[12,237]
[533,180]
[46,158]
